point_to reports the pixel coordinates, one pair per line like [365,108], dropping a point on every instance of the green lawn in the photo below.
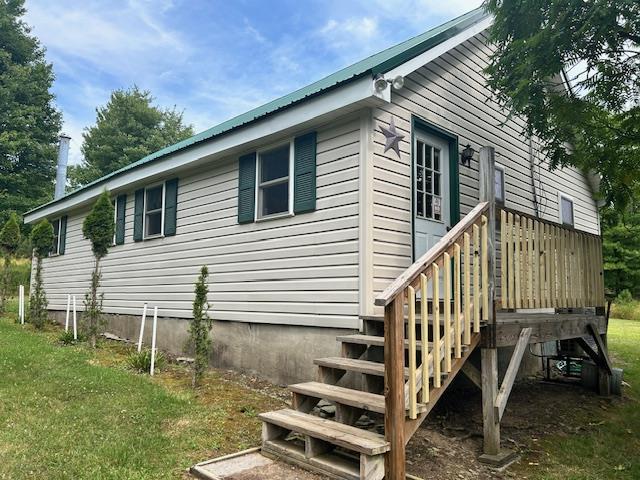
[611,448]
[69,412]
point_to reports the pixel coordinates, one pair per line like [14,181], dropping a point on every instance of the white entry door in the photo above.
[431,196]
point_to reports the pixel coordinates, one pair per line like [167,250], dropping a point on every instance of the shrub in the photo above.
[66,338]
[141,361]
[9,243]
[98,227]
[200,327]
[42,241]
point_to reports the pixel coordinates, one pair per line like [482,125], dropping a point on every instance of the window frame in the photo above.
[503,169]
[145,212]
[57,244]
[564,196]
[259,185]
[114,200]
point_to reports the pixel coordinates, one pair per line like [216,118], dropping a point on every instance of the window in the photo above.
[566,210]
[114,204]
[274,194]
[428,182]
[153,211]
[499,184]
[55,248]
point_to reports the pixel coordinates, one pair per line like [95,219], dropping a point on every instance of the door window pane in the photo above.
[428,182]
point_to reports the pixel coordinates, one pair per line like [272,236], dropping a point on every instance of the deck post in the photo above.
[489,353]
[394,418]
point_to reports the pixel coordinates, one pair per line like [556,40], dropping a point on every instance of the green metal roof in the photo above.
[378,63]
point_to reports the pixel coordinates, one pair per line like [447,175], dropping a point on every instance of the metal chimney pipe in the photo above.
[61,172]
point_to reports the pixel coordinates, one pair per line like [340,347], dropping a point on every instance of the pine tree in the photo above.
[42,241]
[98,227]
[29,121]
[200,327]
[9,243]
[127,128]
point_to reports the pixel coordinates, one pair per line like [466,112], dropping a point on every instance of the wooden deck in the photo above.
[545,327]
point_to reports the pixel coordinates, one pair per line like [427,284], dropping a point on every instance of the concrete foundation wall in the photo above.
[280,354]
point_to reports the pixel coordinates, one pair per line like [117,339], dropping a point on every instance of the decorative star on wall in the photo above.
[392,137]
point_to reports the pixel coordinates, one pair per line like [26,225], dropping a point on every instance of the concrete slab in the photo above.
[249,465]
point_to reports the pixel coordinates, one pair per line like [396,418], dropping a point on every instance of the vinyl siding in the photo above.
[299,270]
[450,92]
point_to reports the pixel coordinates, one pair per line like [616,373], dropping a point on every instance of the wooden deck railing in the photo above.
[547,265]
[455,270]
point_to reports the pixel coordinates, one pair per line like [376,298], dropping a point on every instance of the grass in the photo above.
[611,449]
[70,412]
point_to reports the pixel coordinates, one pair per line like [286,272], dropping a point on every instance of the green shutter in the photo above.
[63,235]
[121,206]
[247,188]
[170,207]
[304,187]
[138,214]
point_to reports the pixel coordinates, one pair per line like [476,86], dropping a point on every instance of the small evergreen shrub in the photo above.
[98,227]
[42,242]
[9,242]
[200,327]
[141,361]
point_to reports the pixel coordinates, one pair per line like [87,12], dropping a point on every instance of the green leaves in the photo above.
[200,326]
[29,122]
[535,40]
[99,225]
[10,235]
[127,129]
[42,238]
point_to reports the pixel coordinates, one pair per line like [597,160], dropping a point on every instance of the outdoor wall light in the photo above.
[467,155]
[380,83]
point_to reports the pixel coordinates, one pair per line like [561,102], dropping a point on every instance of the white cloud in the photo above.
[350,33]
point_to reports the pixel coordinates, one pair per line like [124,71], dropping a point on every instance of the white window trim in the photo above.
[57,252]
[503,169]
[144,212]
[289,212]
[573,209]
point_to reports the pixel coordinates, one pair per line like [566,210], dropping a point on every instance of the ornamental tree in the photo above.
[9,243]
[98,228]
[200,327]
[42,242]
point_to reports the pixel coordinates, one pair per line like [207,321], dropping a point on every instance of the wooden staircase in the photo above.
[353,383]
[396,369]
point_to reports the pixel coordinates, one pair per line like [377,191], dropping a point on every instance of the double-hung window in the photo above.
[566,210]
[153,211]
[274,181]
[55,248]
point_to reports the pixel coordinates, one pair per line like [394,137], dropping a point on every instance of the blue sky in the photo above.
[213,59]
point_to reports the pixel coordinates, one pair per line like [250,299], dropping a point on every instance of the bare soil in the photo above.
[450,441]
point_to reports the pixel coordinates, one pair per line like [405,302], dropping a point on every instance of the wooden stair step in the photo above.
[330,464]
[372,340]
[345,436]
[344,396]
[354,365]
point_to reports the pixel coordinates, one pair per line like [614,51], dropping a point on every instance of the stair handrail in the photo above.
[412,273]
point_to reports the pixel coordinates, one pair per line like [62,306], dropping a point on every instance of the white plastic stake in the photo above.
[75,321]
[144,318]
[153,339]
[21,304]
[66,321]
